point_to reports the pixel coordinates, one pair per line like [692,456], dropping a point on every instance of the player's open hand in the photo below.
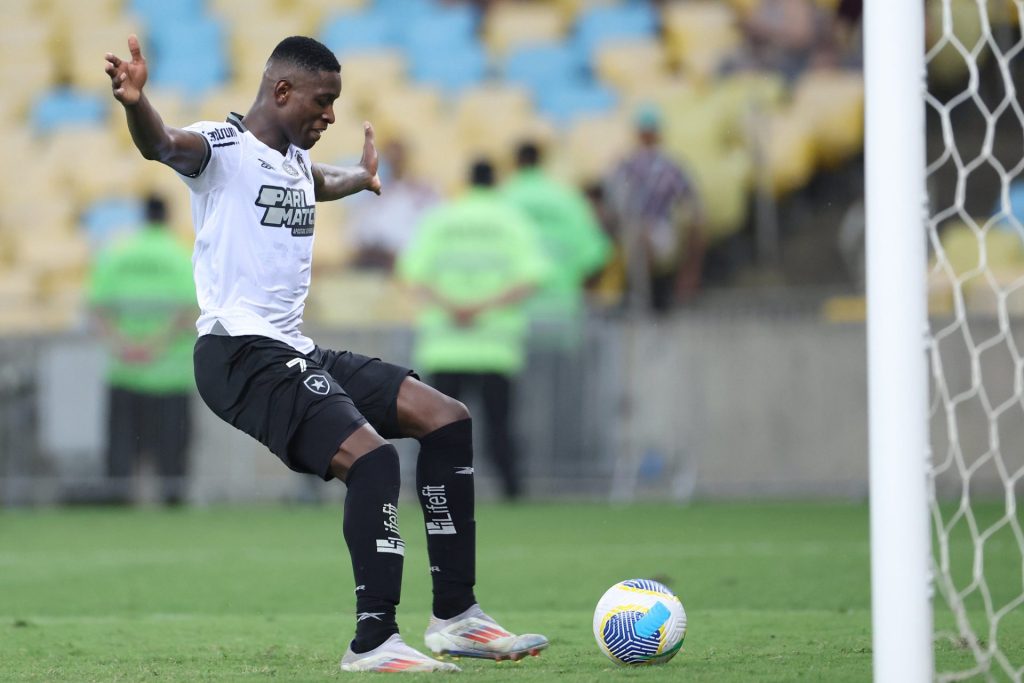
[127,78]
[369,159]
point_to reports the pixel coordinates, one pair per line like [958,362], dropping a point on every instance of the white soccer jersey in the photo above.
[253,211]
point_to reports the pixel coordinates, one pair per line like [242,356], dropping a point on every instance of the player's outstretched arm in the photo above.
[182,150]
[333,182]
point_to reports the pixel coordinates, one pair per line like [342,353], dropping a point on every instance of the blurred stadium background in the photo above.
[756,388]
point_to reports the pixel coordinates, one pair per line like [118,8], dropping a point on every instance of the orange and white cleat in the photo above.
[474,634]
[393,656]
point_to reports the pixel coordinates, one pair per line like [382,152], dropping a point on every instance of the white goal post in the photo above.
[894,72]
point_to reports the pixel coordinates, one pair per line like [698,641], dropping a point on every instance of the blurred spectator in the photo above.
[658,218]
[788,36]
[475,261]
[382,228]
[575,244]
[143,296]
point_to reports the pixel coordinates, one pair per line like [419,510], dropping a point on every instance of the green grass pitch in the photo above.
[773,592]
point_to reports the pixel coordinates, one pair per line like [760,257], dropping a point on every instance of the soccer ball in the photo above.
[639,621]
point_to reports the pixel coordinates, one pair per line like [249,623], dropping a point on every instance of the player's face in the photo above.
[310,107]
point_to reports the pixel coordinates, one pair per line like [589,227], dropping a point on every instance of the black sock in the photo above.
[377,550]
[444,483]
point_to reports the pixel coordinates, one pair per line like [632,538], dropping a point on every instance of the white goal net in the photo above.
[975,342]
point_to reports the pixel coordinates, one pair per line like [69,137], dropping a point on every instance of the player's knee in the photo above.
[362,443]
[453,410]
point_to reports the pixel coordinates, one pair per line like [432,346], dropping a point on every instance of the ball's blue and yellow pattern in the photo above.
[639,621]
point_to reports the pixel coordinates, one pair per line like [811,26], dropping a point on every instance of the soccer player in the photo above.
[325,412]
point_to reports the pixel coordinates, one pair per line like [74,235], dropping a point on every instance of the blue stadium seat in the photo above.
[573,99]
[454,69]
[455,25]
[190,55]
[155,12]
[601,24]
[107,218]
[64,106]
[357,31]
[544,66]
[402,12]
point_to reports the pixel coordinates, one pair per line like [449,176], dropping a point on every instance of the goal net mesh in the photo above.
[975,179]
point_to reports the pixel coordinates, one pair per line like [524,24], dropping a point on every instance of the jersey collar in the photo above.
[235,120]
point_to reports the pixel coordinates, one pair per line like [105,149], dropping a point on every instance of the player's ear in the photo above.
[282,89]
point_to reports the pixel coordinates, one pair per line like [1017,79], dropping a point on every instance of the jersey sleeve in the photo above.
[223,155]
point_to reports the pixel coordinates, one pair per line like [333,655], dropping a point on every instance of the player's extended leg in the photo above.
[369,467]
[444,482]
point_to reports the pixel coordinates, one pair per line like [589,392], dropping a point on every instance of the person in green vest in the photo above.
[572,239]
[143,298]
[578,248]
[475,261]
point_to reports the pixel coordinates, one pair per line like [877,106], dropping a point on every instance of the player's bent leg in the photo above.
[475,634]
[392,656]
[371,532]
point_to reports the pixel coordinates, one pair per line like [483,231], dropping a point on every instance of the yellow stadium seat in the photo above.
[629,64]
[437,154]
[406,110]
[946,65]
[219,103]
[788,152]
[252,41]
[723,181]
[256,11]
[35,77]
[491,117]
[832,102]
[365,74]
[386,301]
[88,39]
[571,8]
[969,250]
[509,25]
[700,35]
[331,248]
[742,96]
[594,145]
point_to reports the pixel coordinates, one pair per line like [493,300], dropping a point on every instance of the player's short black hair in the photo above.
[528,154]
[481,173]
[307,53]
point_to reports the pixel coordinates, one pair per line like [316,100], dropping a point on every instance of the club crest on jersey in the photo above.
[317,384]
[286,208]
[289,169]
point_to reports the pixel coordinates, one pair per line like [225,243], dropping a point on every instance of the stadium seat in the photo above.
[107,219]
[358,31]
[832,102]
[723,181]
[788,149]
[252,42]
[699,35]
[161,11]
[600,24]
[62,107]
[189,56]
[625,64]
[512,25]
[594,144]
[478,109]
[576,99]
[453,26]
[365,74]
[543,67]
[82,49]
[452,70]
[402,112]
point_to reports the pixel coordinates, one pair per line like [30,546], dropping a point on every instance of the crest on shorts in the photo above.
[318,384]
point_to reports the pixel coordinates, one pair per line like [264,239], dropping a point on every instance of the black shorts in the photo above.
[300,406]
